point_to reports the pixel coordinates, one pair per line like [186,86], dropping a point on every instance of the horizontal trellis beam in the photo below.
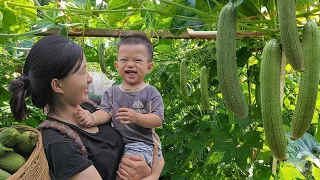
[189,34]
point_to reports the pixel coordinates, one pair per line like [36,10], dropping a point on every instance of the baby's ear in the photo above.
[150,66]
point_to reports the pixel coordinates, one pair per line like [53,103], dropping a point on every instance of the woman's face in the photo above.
[75,85]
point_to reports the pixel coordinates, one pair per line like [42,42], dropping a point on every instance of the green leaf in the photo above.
[9,19]
[163,48]
[63,32]
[249,8]
[115,3]
[215,158]
[243,56]
[289,172]
[262,171]
[241,154]
[196,144]
[302,4]
[253,139]
[316,172]
[82,2]
[244,123]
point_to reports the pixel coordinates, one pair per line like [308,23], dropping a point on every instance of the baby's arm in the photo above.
[149,120]
[87,119]
[128,116]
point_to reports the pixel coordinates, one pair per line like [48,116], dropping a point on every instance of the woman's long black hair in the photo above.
[51,57]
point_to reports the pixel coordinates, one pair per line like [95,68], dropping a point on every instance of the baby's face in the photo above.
[133,64]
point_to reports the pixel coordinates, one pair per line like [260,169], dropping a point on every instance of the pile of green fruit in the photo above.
[15,149]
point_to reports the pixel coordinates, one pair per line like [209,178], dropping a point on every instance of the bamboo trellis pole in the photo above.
[189,34]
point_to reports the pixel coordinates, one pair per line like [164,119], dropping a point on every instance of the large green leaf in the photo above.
[243,56]
[9,19]
[288,172]
[253,139]
[249,8]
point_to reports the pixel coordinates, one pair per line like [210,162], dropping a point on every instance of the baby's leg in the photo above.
[140,149]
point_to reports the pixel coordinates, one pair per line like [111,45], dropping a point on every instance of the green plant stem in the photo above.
[249,86]
[52,25]
[308,7]
[254,21]
[217,3]
[259,29]
[89,7]
[210,7]
[273,16]
[200,13]
[192,19]
[315,10]
[95,12]
[45,15]
[46,8]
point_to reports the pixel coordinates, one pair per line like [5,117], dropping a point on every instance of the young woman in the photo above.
[56,78]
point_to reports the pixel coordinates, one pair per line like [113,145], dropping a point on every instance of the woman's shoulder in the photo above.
[50,136]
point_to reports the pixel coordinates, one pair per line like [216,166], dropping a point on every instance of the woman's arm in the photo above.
[136,168]
[89,173]
[157,166]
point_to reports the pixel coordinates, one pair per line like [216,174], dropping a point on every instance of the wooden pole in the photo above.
[189,34]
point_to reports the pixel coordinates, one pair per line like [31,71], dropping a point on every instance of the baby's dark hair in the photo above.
[51,57]
[137,39]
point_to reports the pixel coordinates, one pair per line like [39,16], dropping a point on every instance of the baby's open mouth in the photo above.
[130,72]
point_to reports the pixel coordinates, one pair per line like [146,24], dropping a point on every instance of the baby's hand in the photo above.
[85,118]
[127,116]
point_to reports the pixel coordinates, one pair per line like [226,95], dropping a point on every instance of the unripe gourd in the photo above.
[11,162]
[227,72]
[4,149]
[289,34]
[26,142]
[204,88]
[183,78]
[270,99]
[308,89]
[9,136]
[101,58]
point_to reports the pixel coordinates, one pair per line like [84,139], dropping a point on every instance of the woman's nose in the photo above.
[89,78]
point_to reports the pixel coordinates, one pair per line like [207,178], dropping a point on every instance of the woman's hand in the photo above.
[133,168]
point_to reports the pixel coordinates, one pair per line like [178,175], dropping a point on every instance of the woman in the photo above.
[55,77]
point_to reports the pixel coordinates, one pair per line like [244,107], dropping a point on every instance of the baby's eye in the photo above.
[123,60]
[138,60]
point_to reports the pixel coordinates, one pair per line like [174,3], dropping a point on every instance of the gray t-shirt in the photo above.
[144,100]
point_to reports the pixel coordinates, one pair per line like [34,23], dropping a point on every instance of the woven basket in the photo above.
[36,166]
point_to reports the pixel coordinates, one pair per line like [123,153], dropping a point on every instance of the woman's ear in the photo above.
[56,85]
